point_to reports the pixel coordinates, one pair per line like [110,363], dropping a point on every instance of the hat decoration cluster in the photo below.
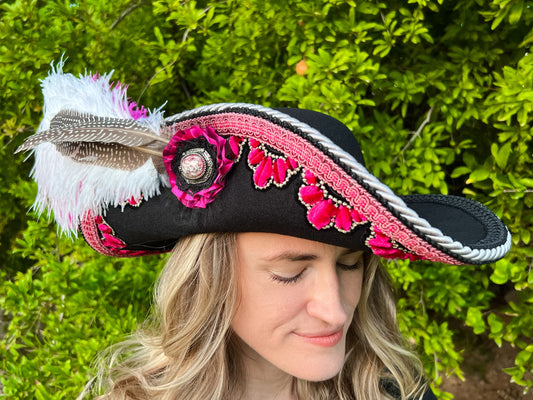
[96,148]
[197,161]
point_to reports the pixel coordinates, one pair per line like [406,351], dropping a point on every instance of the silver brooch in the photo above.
[196,166]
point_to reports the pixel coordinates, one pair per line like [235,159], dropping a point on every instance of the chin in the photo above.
[319,376]
[318,370]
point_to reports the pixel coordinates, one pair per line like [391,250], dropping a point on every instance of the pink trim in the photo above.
[297,148]
[91,233]
[93,228]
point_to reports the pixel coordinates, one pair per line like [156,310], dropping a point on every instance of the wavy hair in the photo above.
[187,350]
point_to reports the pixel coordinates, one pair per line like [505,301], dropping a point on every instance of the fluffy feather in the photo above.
[71,189]
[91,94]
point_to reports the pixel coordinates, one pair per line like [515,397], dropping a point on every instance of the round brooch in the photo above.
[196,166]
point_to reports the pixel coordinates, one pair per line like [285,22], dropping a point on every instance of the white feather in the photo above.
[88,94]
[71,190]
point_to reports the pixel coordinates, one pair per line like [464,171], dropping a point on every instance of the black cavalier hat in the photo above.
[134,182]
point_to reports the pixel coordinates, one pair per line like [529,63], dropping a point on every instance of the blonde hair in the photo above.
[188,351]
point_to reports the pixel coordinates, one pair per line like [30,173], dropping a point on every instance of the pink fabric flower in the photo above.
[310,178]
[234,144]
[263,172]
[256,156]
[311,194]
[112,242]
[225,158]
[357,217]
[343,219]
[320,215]
[279,170]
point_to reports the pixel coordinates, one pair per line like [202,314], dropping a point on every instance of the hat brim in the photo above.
[440,228]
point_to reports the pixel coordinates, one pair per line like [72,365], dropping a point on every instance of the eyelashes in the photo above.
[293,279]
[358,264]
[288,281]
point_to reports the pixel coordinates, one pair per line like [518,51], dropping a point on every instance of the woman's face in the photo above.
[296,301]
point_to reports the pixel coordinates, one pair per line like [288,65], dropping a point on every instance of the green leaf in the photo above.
[501,272]
[526,236]
[503,155]
[474,318]
[480,174]
[523,357]
[459,171]
[516,12]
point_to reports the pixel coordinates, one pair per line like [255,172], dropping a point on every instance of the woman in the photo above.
[274,288]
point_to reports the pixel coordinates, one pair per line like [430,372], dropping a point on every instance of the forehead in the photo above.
[272,246]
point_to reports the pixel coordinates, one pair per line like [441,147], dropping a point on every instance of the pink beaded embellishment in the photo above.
[325,210]
[268,167]
[385,247]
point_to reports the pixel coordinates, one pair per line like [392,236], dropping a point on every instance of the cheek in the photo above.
[351,287]
[266,310]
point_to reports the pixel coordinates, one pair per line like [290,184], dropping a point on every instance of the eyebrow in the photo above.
[291,256]
[295,256]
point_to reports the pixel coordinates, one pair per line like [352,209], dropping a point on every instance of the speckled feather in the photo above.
[109,155]
[76,127]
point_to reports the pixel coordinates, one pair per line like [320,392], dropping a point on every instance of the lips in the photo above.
[324,339]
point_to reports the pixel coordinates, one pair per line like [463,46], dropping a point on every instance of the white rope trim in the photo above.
[420,224]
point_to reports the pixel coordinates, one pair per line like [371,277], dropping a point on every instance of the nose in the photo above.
[326,302]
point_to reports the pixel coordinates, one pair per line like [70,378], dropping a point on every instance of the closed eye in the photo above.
[351,267]
[351,261]
[287,280]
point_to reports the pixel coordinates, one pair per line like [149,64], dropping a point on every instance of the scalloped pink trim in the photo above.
[299,149]
[99,235]
[269,168]
[324,210]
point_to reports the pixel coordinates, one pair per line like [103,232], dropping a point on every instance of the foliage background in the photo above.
[438,92]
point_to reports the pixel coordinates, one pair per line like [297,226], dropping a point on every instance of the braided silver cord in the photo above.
[420,225]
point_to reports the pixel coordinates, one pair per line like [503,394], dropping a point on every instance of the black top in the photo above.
[429,395]
[392,389]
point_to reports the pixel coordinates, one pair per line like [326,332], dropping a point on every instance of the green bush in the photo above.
[445,88]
